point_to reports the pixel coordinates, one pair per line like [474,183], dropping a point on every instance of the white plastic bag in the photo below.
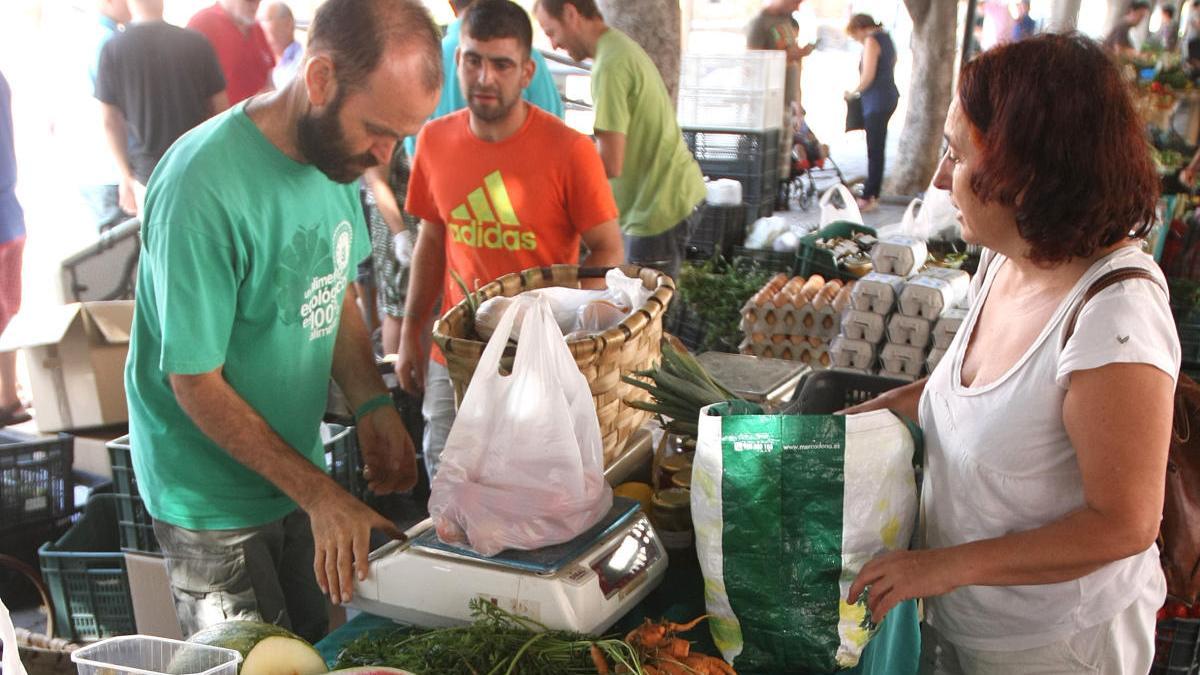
[8,641]
[765,231]
[938,218]
[569,306]
[523,466]
[907,226]
[848,212]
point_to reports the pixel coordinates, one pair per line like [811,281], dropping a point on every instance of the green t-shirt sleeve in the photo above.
[195,289]
[612,88]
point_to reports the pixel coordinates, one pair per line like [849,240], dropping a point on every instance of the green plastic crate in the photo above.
[87,578]
[135,527]
[811,260]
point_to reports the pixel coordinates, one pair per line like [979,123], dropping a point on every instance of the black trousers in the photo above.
[876,123]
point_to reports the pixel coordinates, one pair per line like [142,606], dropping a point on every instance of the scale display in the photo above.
[622,564]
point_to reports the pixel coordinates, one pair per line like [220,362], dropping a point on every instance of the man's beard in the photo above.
[323,144]
[493,113]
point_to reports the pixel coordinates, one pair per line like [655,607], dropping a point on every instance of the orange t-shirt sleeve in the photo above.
[589,196]
[419,201]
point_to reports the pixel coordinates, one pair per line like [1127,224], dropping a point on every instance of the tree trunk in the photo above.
[1063,16]
[934,46]
[1115,9]
[655,25]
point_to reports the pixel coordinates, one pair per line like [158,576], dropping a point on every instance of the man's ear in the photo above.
[320,80]
[528,69]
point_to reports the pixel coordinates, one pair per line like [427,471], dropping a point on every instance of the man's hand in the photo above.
[341,527]
[388,453]
[127,195]
[402,247]
[411,363]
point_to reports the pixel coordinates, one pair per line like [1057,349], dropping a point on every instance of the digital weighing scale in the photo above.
[584,585]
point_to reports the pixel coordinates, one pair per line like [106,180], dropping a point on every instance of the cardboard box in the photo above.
[75,356]
[150,591]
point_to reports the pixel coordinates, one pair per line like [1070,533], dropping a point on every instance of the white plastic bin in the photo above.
[754,72]
[735,111]
[146,655]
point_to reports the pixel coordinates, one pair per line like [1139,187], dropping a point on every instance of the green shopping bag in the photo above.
[787,509]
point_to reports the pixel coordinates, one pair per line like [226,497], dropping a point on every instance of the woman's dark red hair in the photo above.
[1061,142]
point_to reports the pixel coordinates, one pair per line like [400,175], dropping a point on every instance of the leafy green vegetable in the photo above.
[497,643]
[715,291]
[680,387]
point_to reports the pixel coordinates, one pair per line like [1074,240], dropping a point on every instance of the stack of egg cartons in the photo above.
[864,322]
[926,318]
[794,318]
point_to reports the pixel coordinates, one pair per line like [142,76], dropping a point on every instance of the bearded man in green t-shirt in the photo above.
[657,183]
[251,234]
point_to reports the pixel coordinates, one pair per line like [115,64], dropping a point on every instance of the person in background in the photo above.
[490,201]
[1191,38]
[655,179]
[1119,41]
[250,238]
[1045,446]
[155,82]
[541,91]
[997,22]
[1023,25]
[393,235]
[776,28]
[12,244]
[241,46]
[1168,31]
[877,87]
[78,123]
[279,25]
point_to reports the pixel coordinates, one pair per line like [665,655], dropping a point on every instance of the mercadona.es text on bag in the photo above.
[523,466]
[787,509]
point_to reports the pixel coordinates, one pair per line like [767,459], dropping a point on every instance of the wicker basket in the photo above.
[632,345]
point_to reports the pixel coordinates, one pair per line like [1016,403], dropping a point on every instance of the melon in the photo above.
[370,670]
[266,649]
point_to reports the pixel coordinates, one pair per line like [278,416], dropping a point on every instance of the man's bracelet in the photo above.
[371,405]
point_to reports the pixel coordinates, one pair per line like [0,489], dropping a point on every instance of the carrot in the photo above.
[677,647]
[598,660]
[685,627]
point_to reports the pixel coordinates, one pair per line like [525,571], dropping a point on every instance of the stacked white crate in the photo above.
[900,325]
[732,91]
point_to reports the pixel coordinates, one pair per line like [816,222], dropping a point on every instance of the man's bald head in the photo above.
[356,34]
[278,24]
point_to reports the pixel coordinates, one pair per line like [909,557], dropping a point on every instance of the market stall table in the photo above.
[893,651]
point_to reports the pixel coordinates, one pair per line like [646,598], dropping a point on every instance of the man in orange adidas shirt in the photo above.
[499,187]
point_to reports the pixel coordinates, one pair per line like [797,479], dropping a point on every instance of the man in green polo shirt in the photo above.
[251,233]
[657,183]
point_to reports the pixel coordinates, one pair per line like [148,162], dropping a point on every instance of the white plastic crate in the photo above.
[747,72]
[146,655]
[736,111]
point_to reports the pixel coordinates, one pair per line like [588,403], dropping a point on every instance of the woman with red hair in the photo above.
[1047,423]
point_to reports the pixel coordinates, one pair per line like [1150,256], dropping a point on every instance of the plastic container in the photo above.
[828,391]
[763,259]
[144,654]
[733,152]
[35,478]
[813,260]
[731,110]
[751,71]
[87,578]
[1175,647]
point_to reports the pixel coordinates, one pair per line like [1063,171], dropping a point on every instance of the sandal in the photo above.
[14,414]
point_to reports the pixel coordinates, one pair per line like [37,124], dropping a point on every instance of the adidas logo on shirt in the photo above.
[488,220]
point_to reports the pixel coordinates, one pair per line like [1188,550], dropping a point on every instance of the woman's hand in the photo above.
[895,577]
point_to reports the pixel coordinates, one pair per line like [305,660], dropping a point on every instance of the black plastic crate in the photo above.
[23,543]
[35,478]
[825,392]
[86,574]
[344,459]
[720,229]
[764,259]
[1175,647]
[762,208]
[723,151]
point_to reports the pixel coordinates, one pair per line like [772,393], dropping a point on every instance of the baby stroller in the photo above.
[810,162]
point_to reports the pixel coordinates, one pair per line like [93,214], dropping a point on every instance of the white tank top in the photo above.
[998,459]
